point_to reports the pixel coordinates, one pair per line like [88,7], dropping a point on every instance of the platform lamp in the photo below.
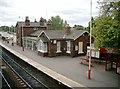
[89,68]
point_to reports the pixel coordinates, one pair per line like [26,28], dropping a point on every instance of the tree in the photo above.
[4,28]
[57,23]
[107,28]
[79,27]
[7,28]
[12,28]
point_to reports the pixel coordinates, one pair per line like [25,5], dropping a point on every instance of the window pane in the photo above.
[80,47]
[68,45]
[58,46]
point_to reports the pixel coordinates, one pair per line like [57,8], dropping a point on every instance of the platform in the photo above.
[67,70]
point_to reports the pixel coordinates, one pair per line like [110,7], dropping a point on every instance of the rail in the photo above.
[28,78]
[4,82]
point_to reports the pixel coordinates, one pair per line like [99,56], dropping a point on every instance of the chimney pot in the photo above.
[42,21]
[35,20]
[68,29]
[49,25]
[27,21]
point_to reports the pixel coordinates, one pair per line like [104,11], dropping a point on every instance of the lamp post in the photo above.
[22,38]
[13,37]
[22,35]
[89,68]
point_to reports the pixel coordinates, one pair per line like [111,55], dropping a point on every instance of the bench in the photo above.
[85,61]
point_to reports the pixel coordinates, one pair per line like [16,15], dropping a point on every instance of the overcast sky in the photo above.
[74,11]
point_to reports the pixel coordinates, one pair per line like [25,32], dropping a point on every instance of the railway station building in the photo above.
[40,37]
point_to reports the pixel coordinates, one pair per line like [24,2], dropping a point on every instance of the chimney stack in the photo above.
[49,25]
[27,21]
[68,29]
[35,21]
[42,21]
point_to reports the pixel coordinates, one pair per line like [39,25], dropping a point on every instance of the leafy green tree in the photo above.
[107,26]
[4,28]
[57,23]
[12,29]
[7,28]
[79,27]
[105,33]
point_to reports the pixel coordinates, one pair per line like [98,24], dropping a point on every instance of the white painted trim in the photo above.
[40,34]
[80,52]
[68,52]
[44,33]
[58,51]
[42,51]
[43,45]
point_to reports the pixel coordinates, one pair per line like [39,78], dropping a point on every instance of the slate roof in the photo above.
[59,34]
[35,33]
[32,24]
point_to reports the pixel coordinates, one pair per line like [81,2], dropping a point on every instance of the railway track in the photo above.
[5,84]
[27,79]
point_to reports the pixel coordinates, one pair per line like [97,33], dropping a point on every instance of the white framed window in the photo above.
[54,41]
[29,44]
[80,47]
[45,47]
[97,54]
[68,46]
[93,53]
[42,47]
[58,47]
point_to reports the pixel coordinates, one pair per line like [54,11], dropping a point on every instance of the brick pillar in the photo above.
[72,49]
[50,49]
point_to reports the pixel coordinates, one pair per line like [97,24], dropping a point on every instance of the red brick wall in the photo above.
[84,39]
[18,35]
[52,48]
[28,30]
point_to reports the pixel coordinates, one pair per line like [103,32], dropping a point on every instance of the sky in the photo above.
[73,11]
